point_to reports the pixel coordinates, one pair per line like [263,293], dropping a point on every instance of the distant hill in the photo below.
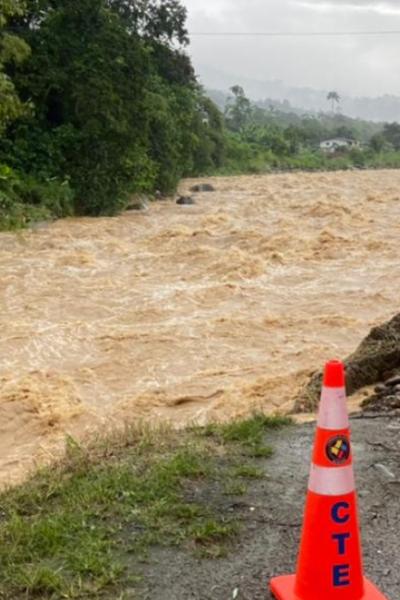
[298,100]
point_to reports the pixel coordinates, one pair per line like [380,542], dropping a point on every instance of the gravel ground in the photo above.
[272,513]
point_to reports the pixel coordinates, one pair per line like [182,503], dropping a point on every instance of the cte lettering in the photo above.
[340,516]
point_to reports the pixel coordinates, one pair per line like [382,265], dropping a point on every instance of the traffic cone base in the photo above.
[329,565]
[283,589]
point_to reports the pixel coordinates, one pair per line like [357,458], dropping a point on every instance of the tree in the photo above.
[295,137]
[86,77]
[378,142]
[238,109]
[13,50]
[334,98]
[161,20]
[118,109]
[391,133]
[345,131]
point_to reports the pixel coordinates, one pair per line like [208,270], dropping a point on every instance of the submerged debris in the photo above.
[186,201]
[139,202]
[203,187]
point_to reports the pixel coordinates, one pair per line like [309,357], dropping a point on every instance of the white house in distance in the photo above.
[338,144]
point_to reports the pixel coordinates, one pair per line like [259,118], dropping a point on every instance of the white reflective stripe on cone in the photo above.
[332,409]
[331,481]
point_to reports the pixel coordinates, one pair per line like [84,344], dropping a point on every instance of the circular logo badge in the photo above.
[338,449]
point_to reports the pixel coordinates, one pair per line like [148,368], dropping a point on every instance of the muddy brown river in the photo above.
[186,314]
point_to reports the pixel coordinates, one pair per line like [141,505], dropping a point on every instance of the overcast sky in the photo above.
[355,66]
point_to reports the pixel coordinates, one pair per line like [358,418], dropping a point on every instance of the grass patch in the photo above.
[248,472]
[260,451]
[249,433]
[81,528]
[235,488]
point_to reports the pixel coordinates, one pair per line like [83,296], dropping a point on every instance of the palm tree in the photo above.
[334,98]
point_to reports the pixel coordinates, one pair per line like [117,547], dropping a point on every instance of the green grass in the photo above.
[248,472]
[81,528]
[253,159]
[249,433]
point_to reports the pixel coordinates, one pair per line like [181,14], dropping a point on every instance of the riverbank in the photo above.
[205,514]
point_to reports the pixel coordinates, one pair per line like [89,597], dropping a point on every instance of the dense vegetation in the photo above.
[98,101]
[265,138]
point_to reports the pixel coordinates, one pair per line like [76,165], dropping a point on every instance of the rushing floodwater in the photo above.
[190,313]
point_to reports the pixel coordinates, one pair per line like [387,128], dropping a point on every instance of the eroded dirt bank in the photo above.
[190,313]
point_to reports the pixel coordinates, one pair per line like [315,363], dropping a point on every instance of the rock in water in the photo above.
[39,225]
[376,359]
[138,203]
[185,201]
[386,397]
[159,196]
[203,187]
[380,388]
[393,381]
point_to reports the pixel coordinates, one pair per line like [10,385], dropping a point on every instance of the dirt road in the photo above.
[272,518]
[190,313]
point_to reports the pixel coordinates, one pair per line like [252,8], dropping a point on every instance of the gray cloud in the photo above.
[380,8]
[365,3]
[353,65]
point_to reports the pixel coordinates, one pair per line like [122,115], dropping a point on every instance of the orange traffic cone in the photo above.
[330,562]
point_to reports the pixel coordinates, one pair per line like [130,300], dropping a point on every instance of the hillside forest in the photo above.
[99,102]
